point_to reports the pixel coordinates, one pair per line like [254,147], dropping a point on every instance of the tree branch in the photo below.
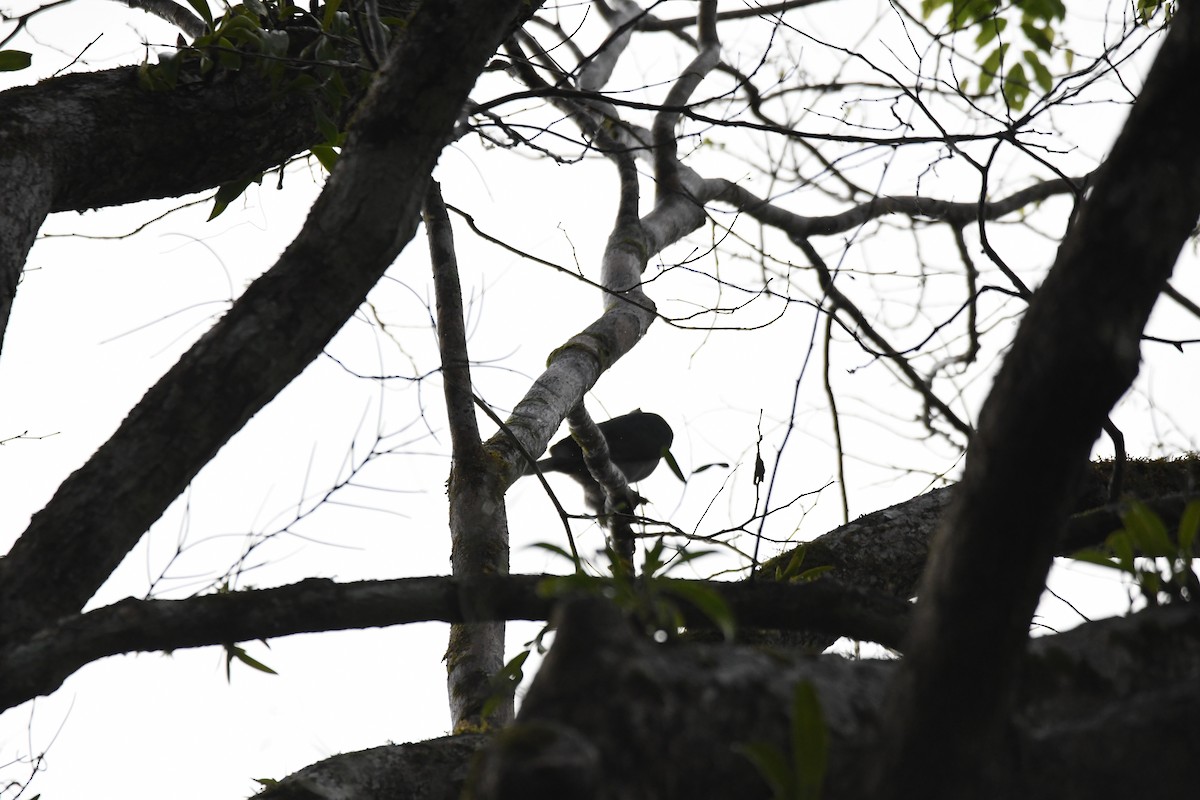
[173,13]
[690,714]
[366,214]
[842,303]
[958,214]
[1078,344]
[478,522]
[666,148]
[40,665]
[92,140]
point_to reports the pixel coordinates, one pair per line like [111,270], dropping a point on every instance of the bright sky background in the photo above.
[97,321]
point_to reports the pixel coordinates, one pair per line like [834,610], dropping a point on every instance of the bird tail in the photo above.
[544,465]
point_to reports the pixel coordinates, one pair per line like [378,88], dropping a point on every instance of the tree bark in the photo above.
[478,518]
[366,214]
[99,139]
[613,715]
[1075,354]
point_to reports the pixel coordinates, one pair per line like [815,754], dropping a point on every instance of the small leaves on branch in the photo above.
[990,19]
[656,601]
[1160,564]
[294,49]
[13,60]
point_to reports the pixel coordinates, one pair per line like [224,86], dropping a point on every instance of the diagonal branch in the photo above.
[173,13]
[366,214]
[1078,344]
[842,303]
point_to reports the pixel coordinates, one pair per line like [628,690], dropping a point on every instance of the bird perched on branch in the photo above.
[636,442]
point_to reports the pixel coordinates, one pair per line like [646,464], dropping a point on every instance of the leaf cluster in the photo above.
[280,40]
[652,598]
[295,50]
[793,571]
[1160,565]
[990,19]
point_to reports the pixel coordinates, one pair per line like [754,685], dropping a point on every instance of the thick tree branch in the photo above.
[366,214]
[40,665]
[957,214]
[478,520]
[689,713]
[666,148]
[173,13]
[98,139]
[685,705]
[650,23]
[1078,344]
[886,550]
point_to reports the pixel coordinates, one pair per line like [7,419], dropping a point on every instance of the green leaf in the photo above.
[327,156]
[302,83]
[201,7]
[989,30]
[965,12]
[505,683]
[1016,86]
[653,561]
[331,9]
[327,127]
[991,68]
[275,43]
[146,77]
[1151,584]
[1122,548]
[235,651]
[575,560]
[227,56]
[167,69]
[793,566]
[1045,80]
[1147,531]
[251,38]
[1091,556]
[1041,37]
[228,192]
[773,766]
[13,60]
[669,457]
[1043,9]
[1188,525]
[709,602]
[812,574]
[810,741]
[256,6]
[684,556]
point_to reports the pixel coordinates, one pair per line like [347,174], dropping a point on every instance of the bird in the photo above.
[636,443]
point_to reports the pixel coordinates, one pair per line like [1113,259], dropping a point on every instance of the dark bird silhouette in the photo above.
[636,442]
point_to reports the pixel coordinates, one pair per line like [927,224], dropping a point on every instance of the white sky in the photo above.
[97,322]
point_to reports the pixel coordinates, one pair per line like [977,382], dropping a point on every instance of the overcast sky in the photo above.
[97,321]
